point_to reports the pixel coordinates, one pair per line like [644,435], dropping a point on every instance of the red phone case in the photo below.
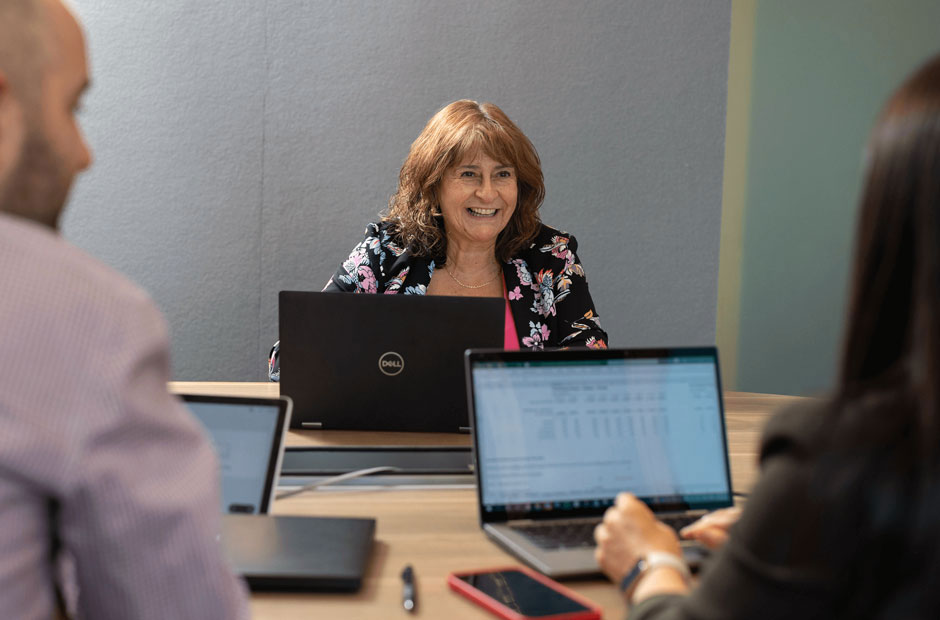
[593,612]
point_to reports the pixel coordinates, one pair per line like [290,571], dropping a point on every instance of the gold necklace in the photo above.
[470,286]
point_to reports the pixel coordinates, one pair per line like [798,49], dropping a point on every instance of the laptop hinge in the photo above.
[312,424]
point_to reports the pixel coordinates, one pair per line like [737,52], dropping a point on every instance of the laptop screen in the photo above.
[567,431]
[247,435]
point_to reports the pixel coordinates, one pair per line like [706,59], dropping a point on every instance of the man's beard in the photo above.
[37,187]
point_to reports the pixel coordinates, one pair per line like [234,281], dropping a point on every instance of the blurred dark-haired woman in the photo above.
[845,521]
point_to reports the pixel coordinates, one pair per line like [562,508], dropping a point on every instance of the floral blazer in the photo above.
[548,292]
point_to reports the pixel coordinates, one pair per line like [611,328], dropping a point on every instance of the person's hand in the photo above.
[628,532]
[712,529]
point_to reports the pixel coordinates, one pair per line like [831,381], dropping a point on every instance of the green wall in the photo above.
[820,73]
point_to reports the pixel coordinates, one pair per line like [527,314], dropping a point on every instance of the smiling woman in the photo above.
[464,222]
[449,148]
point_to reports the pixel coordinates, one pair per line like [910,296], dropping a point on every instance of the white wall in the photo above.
[243,145]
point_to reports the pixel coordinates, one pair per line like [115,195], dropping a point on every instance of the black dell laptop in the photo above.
[382,362]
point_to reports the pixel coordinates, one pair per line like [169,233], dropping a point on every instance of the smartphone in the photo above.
[519,593]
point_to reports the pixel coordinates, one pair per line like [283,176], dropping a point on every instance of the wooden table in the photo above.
[436,529]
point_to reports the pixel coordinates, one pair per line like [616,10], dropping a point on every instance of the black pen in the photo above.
[408,599]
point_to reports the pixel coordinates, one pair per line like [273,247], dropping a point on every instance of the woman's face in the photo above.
[478,197]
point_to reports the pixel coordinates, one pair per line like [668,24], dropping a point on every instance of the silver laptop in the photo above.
[275,552]
[558,434]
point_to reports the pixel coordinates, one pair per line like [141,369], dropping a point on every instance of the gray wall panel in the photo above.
[313,107]
[173,199]
[624,101]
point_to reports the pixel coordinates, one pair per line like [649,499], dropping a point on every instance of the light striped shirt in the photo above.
[85,418]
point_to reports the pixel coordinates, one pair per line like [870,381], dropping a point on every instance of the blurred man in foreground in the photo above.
[97,461]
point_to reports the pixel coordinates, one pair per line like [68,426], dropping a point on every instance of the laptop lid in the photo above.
[299,553]
[558,434]
[381,362]
[248,436]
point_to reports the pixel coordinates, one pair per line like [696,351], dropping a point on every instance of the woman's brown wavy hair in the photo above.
[458,132]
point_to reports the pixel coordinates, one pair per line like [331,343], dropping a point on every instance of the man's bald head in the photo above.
[43,73]
[22,47]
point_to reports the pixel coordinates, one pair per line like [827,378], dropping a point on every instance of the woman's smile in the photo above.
[477,198]
[482,212]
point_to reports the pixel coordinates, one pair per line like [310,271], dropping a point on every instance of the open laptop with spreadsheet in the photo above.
[558,434]
[274,553]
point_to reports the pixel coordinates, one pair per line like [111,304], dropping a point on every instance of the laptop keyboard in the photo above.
[574,534]
[565,535]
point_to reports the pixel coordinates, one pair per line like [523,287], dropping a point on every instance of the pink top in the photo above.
[511,339]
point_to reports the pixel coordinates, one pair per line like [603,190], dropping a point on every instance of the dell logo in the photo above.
[391,363]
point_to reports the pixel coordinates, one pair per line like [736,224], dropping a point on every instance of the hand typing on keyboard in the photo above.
[712,529]
[629,532]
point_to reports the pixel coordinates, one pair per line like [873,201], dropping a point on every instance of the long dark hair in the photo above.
[893,330]
[882,446]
